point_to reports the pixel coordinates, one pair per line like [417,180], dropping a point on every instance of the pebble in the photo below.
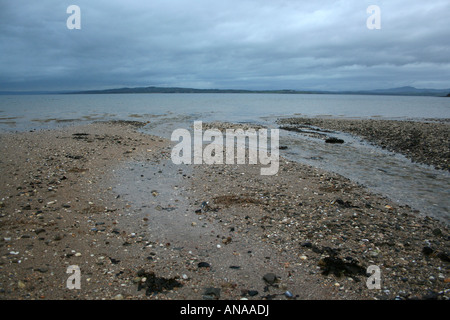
[118,297]
[21,284]
[270,278]
[203,265]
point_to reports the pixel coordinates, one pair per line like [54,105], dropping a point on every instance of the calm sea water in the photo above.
[22,112]
[392,175]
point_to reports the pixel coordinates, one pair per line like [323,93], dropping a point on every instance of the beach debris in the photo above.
[154,285]
[338,267]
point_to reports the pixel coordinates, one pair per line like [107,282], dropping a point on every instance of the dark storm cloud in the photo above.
[227,44]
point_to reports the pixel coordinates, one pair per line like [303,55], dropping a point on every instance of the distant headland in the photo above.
[401,91]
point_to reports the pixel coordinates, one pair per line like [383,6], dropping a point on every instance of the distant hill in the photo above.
[401,91]
[181,90]
[407,91]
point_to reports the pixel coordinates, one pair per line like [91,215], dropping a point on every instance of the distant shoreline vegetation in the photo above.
[402,91]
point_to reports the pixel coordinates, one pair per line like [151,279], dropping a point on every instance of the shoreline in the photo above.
[426,142]
[105,197]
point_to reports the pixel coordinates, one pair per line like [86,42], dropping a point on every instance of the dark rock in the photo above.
[437,232]
[252,293]
[307,244]
[204,265]
[41,270]
[427,251]
[39,230]
[443,256]
[270,278]
[334,140]
[114,261]
[211,294]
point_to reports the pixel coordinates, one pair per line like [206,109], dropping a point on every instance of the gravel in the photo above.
[313,231]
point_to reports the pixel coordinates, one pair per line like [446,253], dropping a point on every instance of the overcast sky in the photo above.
[264,44]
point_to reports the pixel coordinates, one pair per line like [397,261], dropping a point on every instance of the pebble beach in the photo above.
[106,197]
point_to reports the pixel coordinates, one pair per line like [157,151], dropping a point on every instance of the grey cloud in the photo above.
[223,44]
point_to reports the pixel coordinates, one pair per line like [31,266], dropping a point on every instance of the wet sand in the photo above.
[107,198]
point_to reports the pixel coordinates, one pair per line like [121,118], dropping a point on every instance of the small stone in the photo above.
[21,284]
[78,254]
[270,278]
[137,279]
[204,265]
[39,230]
[427,251]
[118,297]
[252,293]
[57,237]
[211,294]
[437,232]
[303,257]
